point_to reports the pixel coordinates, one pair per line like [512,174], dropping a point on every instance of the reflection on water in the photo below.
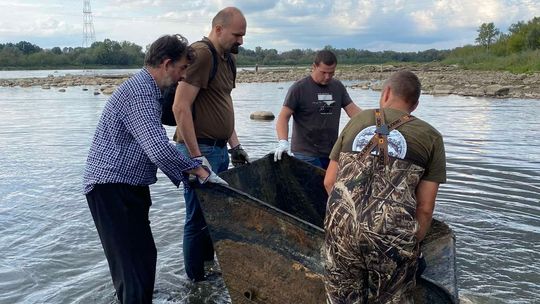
[51,252]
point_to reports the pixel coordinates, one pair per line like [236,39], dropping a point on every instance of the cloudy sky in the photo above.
[400,25]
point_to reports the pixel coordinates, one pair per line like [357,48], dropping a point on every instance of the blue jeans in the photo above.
[321,162]
[197,244]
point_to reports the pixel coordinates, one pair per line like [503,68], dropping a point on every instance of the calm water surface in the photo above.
[50,250]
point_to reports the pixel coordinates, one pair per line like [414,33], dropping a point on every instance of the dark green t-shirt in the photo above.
[415,141]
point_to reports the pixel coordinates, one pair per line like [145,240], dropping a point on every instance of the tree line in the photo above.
[516,50]
[108,53]
[126,54]
[262,56]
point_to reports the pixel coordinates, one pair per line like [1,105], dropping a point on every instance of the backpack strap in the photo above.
[167,117]
[380,138]
[215,62]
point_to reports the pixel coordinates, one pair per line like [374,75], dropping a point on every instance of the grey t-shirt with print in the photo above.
[317,109]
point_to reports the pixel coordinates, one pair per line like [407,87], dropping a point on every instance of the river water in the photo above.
[50,250]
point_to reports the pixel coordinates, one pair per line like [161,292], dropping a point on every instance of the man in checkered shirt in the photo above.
[129,145]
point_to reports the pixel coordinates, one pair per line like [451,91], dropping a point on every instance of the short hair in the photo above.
[225,16]
[173,47]
[325,56]
[406,85]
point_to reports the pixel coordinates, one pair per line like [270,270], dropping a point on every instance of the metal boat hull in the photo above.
[267,232]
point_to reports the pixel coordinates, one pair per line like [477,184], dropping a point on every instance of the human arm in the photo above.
[282,123]
[141,118]
[330,176]
[282,130]
[233,140]
[426,193]
[183,101]
[352,109]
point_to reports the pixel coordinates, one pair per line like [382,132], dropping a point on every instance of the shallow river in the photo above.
[50,251]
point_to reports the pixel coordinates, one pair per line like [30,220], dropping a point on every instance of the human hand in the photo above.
[212,178]
[239,156]
[283,146]
[204,161]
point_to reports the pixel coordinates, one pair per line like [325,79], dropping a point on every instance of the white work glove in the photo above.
[204,161]
[283,146]
[212,178]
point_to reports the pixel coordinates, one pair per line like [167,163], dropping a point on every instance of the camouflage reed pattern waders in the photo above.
[370,245]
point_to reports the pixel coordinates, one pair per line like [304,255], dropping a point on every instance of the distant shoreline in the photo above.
[436,80]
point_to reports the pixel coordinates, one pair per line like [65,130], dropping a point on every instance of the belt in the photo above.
[212,142]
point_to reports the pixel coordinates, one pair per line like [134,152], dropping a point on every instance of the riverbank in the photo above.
[436,80]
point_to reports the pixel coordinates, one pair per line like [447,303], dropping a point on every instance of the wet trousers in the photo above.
[197,244]
[120,213]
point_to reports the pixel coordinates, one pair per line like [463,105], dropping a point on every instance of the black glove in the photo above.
[238,156]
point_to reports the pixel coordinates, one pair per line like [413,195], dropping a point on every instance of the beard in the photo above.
[168,81]
[234,48]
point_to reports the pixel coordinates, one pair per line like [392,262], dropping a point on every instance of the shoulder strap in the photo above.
[167,117]
[232,65]
[380,139]
[381,132]
[215,62]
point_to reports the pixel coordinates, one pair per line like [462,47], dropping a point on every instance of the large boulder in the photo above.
[497,90]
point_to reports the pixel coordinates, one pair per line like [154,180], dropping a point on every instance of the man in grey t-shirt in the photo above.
[315,103]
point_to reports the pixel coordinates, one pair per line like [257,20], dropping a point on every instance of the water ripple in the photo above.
[51,251]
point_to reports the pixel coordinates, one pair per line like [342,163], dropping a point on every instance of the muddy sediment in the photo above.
[436,80]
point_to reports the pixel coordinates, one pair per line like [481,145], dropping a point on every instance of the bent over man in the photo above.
[129,145]
[383,178]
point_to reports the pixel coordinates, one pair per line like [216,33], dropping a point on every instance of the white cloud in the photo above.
[351,16]
[424,21]
[279,24]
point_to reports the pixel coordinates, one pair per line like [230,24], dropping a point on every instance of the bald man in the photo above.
[204,114]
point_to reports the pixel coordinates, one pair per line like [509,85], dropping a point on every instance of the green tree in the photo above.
[56,50]
[487,34]
[27,47]
[516,27]
[532,39]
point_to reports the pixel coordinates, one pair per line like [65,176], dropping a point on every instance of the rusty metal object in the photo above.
[268,235]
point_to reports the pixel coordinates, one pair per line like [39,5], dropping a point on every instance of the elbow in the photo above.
[425,210]
[424,214]
[328,186]
[179,110]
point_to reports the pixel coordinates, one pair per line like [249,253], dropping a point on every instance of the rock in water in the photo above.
[262,115]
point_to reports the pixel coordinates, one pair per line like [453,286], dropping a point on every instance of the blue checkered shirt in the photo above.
[130,142]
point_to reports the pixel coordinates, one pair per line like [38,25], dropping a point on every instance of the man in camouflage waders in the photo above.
[384,174]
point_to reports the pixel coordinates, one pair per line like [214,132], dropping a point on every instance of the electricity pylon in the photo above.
[89,36]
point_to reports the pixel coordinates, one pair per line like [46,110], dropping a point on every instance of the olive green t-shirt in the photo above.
[213,113]
[415,141]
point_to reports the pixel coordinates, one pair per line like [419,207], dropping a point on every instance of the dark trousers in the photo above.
[120,213]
